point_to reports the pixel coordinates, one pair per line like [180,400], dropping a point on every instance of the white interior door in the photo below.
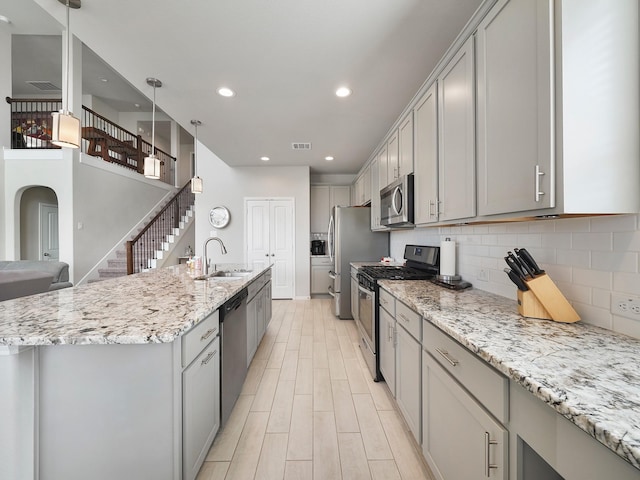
[270,241]
[281,247]
[49,247]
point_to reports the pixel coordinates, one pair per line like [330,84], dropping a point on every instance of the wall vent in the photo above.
[44,86]
[301,146]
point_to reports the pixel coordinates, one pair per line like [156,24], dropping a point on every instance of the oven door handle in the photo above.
[365,291]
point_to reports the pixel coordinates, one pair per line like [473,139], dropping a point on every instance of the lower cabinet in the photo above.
[387,350]
[200,407]
[408,377]
[258,312]
[320,280]
[355,312]
[461,440]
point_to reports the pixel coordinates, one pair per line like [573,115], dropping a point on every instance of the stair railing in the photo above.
[141,250]
[31,128]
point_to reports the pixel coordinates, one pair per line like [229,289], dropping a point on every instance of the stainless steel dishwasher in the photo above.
[233,366]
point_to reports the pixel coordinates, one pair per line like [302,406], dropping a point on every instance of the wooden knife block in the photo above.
[545,300]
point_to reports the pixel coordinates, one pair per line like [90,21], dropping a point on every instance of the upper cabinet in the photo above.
[362,189]
[516,160]
[323,198]
[456,145]
[383,163]
[425,192]
[405,147]
[375,196]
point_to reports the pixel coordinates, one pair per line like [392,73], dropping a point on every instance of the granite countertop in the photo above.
[588,374]
[151,307]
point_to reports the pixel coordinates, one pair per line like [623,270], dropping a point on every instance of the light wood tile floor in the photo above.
[309,409]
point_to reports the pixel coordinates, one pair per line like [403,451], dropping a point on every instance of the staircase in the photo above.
[155,240]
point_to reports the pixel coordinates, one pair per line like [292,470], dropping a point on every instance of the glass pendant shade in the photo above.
[196,185]
[65,130]
[152,167]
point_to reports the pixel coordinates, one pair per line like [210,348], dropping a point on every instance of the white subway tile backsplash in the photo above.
[614,223]
[588,258]
[615,262]
[592,241]
[574,258]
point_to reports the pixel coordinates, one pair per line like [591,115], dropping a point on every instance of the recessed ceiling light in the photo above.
[4,19]
[343,92]
[329,158]
[226,92]
[264,159]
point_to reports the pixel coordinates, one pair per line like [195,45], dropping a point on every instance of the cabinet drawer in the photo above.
[321,261]
[255,286]
[199,337]
[409,320]
[490,387]
[387,301]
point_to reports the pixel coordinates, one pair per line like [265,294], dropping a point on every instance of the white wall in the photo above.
[224,185]
[5,123]
[588,258]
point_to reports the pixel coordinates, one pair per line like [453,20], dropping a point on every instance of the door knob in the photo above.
[266,254]
[273,254]
[46,254]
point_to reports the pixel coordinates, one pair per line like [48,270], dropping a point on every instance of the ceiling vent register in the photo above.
[301,146]
[44,85]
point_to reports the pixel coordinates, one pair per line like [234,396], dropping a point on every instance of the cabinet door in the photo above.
[267,311]
[405,146]
[455,422]
[387,351]
[355,312]
[383,164]
[252,328]
[375,196]
[340,195]
[456,148]
[393,153]
[366,186]
[408,354]
[320,279]
[201,408]
[320,208]
[515,107]
[425,192]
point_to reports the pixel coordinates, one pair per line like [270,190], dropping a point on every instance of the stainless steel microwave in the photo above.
[396,203]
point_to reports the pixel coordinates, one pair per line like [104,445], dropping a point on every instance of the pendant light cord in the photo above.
[66,97]
[153,124]
[195,153]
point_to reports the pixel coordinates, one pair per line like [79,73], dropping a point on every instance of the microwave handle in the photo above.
[396,193]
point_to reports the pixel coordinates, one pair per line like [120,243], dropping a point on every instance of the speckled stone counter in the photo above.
[152,307]
[588,374]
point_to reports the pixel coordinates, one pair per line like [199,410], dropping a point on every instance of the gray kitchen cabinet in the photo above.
[323,198]
[387,351]
[375,195]
[355,311]
[425,192]
[362,188]
[462,440]
[405,146]
[201,408]
[258,312]
[320,208]
[252,328]
[393,153]
[456,145]
[320,280]
[383,165]
[515,108]
[267,308]
[408,379]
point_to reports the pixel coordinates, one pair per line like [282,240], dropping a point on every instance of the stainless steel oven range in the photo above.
[423,262]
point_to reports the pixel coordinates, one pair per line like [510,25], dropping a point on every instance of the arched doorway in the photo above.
[39,238]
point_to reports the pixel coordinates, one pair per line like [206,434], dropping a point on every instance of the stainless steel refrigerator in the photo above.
[350,239]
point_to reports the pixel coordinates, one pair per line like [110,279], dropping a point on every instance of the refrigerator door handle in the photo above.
[331,292]
[332,275]
[330,237]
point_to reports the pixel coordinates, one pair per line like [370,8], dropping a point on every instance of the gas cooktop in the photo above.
[394,272]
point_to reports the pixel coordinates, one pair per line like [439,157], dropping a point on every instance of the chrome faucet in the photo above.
[205,260]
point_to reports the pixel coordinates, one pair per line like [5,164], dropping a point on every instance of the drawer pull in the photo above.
[207,334]
[487,459]
[209,357]
[446,356]
[403,317]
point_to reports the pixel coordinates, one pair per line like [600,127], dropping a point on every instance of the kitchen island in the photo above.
[94,376]
[556,371]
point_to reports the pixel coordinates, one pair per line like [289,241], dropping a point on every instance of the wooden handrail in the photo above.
[142,248]
[104,138]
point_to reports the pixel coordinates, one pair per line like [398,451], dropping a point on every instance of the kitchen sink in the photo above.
[225,275]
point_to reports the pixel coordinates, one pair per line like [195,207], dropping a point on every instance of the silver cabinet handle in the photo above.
[487,457]
[539,173]
[446,356]
[209,357]
[207,334]
[401,315]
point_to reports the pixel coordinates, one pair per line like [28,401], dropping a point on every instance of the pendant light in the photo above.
[151,163]
[196,181]
[65,128]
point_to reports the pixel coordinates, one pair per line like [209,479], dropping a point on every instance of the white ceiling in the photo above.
[284,58]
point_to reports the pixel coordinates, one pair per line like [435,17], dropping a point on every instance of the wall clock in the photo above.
[219,217]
